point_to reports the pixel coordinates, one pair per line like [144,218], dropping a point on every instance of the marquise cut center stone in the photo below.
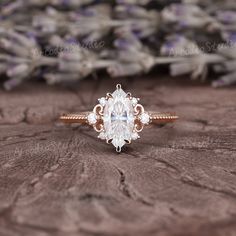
[119,119]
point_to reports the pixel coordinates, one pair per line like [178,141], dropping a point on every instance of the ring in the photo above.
[119,118]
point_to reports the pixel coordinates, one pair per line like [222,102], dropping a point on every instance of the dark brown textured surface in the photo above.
[176,181]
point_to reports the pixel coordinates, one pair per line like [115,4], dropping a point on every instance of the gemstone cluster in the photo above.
[118,118]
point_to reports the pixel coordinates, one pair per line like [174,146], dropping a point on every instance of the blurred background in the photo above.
[60,56]
[65,41]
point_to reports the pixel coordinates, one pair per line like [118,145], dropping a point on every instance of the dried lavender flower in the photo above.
[59,36]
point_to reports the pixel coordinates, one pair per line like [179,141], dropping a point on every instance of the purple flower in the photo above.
[122,44]
[71,40]
[230,37]
[65,2]
[227,17]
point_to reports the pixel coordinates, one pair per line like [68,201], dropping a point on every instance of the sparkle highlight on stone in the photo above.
[102,101]
[145,118]
[92,118]
[118,118]
[134,101]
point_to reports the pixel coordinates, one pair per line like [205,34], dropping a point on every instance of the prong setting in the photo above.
[129,95]
[118,149]
[118,86]
[127,141]
[119,118]
[109,141]
[109,95]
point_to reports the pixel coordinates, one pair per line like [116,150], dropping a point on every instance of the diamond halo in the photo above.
[118,118]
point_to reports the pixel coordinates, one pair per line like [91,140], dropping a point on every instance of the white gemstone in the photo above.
[118,118]
[102,101]
[92,118]
[135,136]
[102,136]
[134,101]
[145,118]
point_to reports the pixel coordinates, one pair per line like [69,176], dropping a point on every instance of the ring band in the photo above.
[155,118]
[118,118]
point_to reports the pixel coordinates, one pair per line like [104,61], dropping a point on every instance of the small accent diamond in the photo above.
[135,136]
[102,101]
[144,118]
[117,117]
[92,118]
[102,136]
[134,101]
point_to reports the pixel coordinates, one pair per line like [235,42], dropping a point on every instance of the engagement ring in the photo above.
[119,118]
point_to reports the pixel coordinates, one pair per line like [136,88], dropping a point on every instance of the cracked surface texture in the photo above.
[179,180]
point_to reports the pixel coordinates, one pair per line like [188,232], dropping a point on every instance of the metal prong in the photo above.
[129,95]
[128,141]
[109,95]
[118,86]
[109,141]
[118,149]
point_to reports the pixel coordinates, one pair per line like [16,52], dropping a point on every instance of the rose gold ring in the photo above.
[118,118]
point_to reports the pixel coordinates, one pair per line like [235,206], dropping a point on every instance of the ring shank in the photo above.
[162,118]
[155,117]
[80,118]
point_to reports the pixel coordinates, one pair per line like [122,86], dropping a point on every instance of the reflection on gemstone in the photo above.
[118,119]
[92,118]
